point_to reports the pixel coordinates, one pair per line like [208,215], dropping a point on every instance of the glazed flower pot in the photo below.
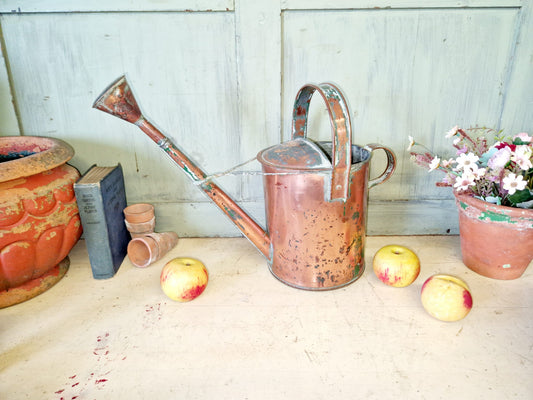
[496,241]
[39,220]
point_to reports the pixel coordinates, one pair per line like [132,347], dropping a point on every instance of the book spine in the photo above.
[92,215]
[114,200]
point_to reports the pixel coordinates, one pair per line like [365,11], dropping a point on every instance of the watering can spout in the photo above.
[118,100]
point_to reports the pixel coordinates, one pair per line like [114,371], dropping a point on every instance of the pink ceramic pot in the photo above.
[496,241]
[39,220]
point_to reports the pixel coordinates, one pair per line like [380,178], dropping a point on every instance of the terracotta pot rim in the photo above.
[51,153]
[483,205]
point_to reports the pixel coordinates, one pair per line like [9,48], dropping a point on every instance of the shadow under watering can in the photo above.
[315,192]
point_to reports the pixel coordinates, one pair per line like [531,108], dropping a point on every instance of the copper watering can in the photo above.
[315,192]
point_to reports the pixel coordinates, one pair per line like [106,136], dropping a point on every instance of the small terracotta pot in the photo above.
[145,250]
[141,228]
[496,241]
[137,213]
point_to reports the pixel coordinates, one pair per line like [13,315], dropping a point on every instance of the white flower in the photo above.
[452,132]
[524,137]
[457,140]
[522,157]
[464,181]
[434,164]
[478,172]
[411,143]
[512,183]
[466,162]
[500,158]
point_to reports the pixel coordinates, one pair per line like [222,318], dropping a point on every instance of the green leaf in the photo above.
[520,196]
[519,141]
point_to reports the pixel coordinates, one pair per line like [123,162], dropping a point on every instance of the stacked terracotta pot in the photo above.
[146,246]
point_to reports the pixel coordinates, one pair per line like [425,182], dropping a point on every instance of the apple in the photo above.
[396,265]
[446,297]
[184,279]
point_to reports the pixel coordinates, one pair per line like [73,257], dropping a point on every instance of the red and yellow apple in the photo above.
[446,297]
[396,265]
[184,279]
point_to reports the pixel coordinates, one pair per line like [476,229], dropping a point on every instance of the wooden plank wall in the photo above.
[219,78]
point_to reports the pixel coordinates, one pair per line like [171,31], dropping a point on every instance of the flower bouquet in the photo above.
[493,187]
[501,174]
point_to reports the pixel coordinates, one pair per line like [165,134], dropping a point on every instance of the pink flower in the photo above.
[522,157]
[524,137]
[500,158]
[512,183]
[464,181]
[447,163]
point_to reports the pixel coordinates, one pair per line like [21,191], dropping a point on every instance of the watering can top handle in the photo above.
[341,130]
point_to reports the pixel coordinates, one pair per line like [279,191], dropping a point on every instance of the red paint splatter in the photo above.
[467,299]
[76,384]
[60,391]
[100,381]
[72,377]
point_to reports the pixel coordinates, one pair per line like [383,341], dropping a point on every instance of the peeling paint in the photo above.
[496,217]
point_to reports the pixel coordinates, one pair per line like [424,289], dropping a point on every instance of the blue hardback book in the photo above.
[101,198]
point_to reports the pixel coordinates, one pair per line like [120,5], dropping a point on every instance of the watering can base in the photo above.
[299,285]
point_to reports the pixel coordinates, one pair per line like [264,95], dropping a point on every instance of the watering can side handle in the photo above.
[391,164]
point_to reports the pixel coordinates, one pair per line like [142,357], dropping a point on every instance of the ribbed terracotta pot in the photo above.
[39,220]
[496,241]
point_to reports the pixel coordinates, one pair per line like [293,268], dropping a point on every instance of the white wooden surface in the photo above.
[219,78]
[248,336]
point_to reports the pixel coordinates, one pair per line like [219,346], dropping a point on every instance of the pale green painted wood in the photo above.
[404,72]
[8,118]
[47,6]
[385,4]
[61,62]
[221,85]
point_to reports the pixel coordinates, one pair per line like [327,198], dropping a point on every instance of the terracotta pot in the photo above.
[147,249]
[496,241]
[140,228]
[39,220]
[139,213]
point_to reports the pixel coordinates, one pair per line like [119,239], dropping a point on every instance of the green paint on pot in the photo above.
[464,206]
[495,217]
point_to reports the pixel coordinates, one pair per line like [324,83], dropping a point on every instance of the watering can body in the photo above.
[316,243]
[315,192]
